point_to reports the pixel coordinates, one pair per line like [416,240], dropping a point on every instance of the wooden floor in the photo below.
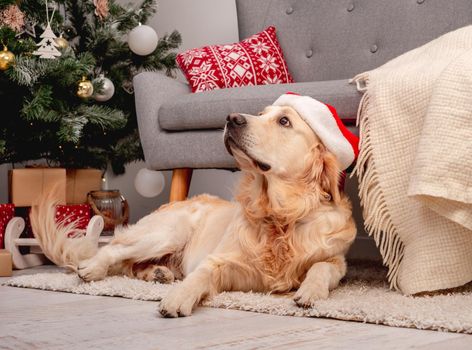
[32,319]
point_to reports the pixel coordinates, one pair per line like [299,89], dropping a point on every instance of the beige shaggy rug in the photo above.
[362,296]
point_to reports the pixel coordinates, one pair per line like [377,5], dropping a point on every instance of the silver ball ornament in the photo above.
[107,90]
[142,40]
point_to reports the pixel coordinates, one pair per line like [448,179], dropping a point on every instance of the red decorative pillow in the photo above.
[257,60]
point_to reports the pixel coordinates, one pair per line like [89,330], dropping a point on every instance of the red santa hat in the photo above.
[326,124]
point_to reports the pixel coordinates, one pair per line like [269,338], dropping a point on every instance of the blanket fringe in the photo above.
[377,219]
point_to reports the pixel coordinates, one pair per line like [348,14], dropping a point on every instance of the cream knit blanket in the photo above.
[415,163]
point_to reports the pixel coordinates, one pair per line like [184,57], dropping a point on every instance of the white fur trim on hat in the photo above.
[324,121]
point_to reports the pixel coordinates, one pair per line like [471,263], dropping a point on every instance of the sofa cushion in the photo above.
[258,60]
[208,110]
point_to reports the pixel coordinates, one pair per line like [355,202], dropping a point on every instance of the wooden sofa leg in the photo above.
[180,184]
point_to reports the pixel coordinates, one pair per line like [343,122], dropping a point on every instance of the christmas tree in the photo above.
[42,115]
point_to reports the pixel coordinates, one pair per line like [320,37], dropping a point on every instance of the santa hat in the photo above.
[326,124]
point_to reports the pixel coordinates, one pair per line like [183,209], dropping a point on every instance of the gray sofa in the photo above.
[325,42]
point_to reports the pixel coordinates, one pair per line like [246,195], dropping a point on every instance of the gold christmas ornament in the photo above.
[7,58]
[61,42]
[85,88]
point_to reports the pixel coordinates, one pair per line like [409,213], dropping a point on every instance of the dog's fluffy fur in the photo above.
[288,229]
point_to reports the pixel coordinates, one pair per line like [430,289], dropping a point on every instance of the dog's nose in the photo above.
[236,119]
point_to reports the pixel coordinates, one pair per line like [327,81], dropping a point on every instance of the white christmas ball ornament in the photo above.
[107,91]
[142,40]
[149,183]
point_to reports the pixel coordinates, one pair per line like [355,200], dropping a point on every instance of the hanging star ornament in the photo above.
[29,28]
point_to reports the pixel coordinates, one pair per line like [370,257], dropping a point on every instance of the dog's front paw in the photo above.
[91,270]
[307,296]
[177,303]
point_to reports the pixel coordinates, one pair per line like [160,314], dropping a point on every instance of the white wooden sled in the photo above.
[22,261]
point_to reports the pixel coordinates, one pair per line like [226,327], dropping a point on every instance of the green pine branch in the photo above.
[27,71]
[163,58]
[125,152]
[146,10]
[104,117]
[2,148]
[68,70]
[39,107]
[71,127]
[128,18]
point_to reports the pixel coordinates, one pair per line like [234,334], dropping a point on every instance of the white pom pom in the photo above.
[142,40]
[149,183]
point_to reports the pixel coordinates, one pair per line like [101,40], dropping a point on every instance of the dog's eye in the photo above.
[284,121]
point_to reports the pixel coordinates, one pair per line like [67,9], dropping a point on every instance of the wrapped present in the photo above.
[7,212]
[26,185]
[5,263]
[71,185]
[69,213]
[80,182]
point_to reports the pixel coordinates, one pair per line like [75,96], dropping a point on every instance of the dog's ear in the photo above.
[324,173]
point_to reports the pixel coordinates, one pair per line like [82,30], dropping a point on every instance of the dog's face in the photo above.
[276,141]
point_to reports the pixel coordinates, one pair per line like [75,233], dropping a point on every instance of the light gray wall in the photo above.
[201,22]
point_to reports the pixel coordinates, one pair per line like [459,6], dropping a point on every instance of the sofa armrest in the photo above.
[208,110]
[151,89]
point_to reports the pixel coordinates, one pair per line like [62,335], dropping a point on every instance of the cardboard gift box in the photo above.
[26,185]
[7,212]
[80,182]
[6,264]
[71,185]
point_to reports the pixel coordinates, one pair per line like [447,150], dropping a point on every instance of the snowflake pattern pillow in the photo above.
[257,60]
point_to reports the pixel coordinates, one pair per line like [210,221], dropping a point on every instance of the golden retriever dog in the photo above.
[288,229]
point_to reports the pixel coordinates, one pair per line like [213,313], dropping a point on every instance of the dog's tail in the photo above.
[53,237]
